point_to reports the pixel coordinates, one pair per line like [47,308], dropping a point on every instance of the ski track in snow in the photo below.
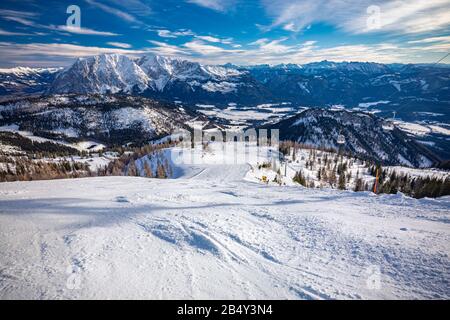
[213,235]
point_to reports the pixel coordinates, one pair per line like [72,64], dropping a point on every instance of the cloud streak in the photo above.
[80,30]
[120,45]
[28,19]
[217,5]
[262,52]
[12,33]
[116,12]
[403,17]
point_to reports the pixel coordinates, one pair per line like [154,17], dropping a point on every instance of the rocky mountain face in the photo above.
[101,74]
[149,75]
[362,134]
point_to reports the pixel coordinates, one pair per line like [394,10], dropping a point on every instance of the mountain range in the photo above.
[21,81]
[114,120]
[319,83]
[117,99]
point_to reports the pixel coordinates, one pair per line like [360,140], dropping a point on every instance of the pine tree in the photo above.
[132,171]
[148,170]
[332,178]
[359,185]
[444,190]
[160,172]
[299,178]
[341,184]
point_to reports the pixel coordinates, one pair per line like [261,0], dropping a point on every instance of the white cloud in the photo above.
[22,17]
[405,17]
[139,8]
[215,39]
[280,51]
[25,18]
[272,46]
[290,27]
[118,13]
[203,48]
[59,49]
[432,39]
[14,13]
[164,33]
[80,30]
[52,54]
[12,33]
[259,42]
[309,43]
[40,54]
[441,47]
[165,49]
[209,39]
[275,46]
[218,5]
[25,21]
[119,45]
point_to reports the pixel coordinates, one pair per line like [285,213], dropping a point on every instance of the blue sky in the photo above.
[35,33]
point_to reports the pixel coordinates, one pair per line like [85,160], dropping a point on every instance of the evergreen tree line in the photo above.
[417,187]
[27,167]
[24,169]
[138,163]
[333,170]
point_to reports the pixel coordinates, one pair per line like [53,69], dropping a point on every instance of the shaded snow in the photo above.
[210,234]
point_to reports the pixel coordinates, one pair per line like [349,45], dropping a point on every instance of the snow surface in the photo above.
[263,112]
[371,104]
[222,87]
[211,234]
[91,146]
[421,129]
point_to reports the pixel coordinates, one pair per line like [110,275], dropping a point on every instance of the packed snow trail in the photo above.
[124,237]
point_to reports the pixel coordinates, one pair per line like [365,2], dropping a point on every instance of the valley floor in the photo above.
[213,235]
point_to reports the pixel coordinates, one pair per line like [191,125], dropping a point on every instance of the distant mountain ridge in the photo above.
[24,80]
[317,83]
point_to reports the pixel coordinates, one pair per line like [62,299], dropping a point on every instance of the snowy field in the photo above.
[212,234]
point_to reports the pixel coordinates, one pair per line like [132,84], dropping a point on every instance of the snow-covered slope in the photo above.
[211,234]
[108,119]
[365,135]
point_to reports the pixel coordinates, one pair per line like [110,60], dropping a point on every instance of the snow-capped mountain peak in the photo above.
[100,74]
[120,73]
[162,69]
